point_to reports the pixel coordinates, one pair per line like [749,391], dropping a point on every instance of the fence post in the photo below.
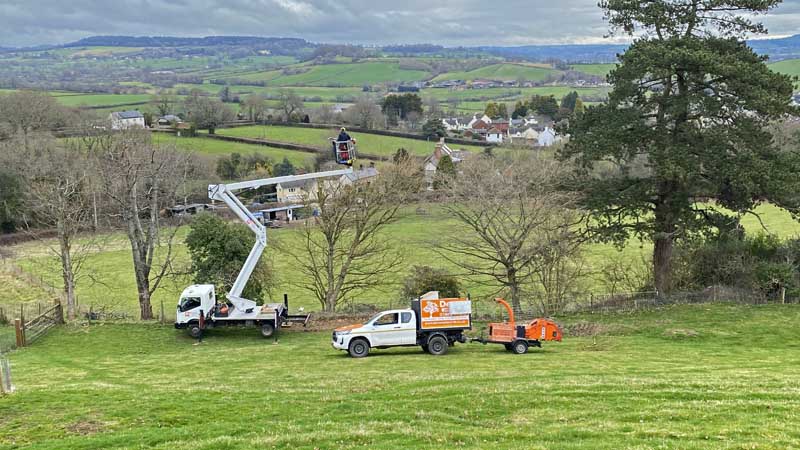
[6,385]
[58,313]
[19,328]
[783,295]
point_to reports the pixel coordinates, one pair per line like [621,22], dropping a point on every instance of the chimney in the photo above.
[438,152]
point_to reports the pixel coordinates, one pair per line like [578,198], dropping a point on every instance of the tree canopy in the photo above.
[685,123]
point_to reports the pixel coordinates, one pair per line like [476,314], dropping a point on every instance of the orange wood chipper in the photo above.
[517,338]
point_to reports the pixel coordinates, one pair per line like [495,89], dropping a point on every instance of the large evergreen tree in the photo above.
[685,123]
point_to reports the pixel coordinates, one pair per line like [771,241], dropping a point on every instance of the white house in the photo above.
[495,136]
[548,137]
[454,124]
[124,120]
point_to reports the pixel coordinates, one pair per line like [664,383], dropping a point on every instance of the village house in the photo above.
[431,164]
[295,191]
[124,120]
[495,136]
[168,120]
[548,137]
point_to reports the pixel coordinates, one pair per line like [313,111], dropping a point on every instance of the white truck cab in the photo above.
[198,310]
[431,322]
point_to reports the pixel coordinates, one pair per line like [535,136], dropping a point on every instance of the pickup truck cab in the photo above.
[433,324]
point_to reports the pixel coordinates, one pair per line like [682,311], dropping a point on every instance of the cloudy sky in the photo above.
[445,22]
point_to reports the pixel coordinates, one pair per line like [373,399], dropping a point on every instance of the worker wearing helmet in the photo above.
[343,136]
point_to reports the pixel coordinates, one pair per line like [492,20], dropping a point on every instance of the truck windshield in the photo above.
[188,303]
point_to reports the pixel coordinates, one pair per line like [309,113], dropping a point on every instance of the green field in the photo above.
[114,285]
[355,74]
[689,377]
[600,70]
[505,71]
[371,144]
[102,99]
[789,67]
[215,147]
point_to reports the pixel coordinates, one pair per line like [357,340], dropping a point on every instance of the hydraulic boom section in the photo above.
[226,193]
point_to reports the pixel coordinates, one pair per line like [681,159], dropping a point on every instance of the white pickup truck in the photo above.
[432,323]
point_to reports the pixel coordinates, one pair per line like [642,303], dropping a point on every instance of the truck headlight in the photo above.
[343,333]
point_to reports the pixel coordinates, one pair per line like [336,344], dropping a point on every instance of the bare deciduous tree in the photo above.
[343,247]
[290,104]
[55,194]
[207,113]
[138,180]
[255,106]
[506,210]
[364,113]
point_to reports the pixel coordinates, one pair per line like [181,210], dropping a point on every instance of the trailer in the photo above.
[432,323]
[518,338]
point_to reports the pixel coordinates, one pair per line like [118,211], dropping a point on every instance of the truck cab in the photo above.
[434,331]
[195,301]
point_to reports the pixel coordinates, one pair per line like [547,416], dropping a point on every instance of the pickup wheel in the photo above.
[437,345]
[358,348]
[519,347]
[267,329]
[195,331]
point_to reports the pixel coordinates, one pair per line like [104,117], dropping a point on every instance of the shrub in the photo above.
[424,279]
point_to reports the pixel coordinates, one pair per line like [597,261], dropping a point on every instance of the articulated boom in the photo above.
[225,193]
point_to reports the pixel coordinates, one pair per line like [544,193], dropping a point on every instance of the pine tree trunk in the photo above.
[662,263]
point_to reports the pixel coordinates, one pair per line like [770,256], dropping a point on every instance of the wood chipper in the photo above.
[517,338]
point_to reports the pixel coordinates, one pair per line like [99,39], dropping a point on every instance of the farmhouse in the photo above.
[295,191]
[124,120]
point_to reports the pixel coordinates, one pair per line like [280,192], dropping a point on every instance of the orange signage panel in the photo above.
[445,313]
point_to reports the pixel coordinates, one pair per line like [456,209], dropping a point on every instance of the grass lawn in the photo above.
[692,377]
[372,144]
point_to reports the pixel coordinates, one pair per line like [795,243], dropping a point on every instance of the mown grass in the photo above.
[691,377]
[372,144]
[102,99]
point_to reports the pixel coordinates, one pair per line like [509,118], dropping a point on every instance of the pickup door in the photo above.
[395,328]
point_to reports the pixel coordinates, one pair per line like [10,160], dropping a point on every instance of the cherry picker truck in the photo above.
[198,306]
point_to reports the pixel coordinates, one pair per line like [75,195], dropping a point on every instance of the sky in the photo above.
[443,22]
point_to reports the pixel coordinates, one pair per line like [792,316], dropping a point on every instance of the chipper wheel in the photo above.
[519,347]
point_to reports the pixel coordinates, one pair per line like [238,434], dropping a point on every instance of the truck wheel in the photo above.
[195,331]
[358,348]
[267,329]
[519,347]
[437,345]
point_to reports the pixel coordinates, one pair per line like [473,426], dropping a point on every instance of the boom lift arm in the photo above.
[226,193]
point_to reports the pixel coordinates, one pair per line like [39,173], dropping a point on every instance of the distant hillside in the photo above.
[169,41]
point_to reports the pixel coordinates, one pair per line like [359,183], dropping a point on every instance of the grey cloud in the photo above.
[447,22]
